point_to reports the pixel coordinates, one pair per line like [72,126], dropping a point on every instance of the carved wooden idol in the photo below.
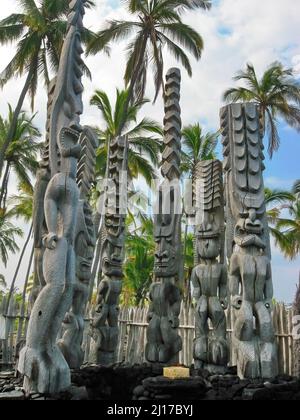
[41,361]
[248,248]
[209,277]
[163,340]
[85,241]
[104,327]
[39,223]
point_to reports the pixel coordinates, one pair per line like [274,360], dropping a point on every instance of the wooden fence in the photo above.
[133,326]
[132,340]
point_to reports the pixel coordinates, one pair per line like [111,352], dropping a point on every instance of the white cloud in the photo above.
[296,64]
[234,32]
[279,183]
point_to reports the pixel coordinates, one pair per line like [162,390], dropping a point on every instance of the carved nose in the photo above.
[252,215]
[161,255]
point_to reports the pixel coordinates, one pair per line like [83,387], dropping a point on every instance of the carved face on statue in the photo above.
[209,236]
[112,260]
[249,230]
[167,255]
[209,248]
[84,258]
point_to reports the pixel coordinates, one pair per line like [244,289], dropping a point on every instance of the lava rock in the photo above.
[12,396]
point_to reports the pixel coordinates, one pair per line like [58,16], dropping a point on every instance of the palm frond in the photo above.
[116,31]
[274,139]
[101,101]
[184,35]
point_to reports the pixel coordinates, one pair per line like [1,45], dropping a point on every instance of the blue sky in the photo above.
[234,32]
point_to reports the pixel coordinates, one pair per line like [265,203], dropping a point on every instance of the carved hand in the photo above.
[50,240]
[237,302]
[224,303]
[149,316]
[174,321]
[269,304]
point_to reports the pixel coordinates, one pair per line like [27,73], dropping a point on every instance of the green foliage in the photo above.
[196,147]
[8,235]
[21,204]
[21,155]
[284,219]
[139,263]
[39,31]
[144,136]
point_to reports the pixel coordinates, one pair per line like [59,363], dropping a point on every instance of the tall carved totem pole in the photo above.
[104,327]
[41,361]
[248,244]
[163,340]
[209,277]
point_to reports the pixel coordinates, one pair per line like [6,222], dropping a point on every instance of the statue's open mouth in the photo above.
[208,235]
[162,265]
[113,263]
[256,230]
[86,265]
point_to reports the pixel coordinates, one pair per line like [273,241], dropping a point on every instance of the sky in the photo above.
[235,32]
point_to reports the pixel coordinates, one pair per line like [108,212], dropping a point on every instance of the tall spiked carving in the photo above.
[104,327]
[39,223]
[250,274]
[85,241]
[209,277]
[41,361]
[164,342]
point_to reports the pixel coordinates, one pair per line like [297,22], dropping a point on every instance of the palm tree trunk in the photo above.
[18,269]
[95,267]
[4,185]
[17,112]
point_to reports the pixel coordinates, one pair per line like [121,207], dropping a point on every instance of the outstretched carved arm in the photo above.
[151,305]
[51,215]
[196,284]
[269,290]
[175,309]
[223,291]
[101,310]
[234,282]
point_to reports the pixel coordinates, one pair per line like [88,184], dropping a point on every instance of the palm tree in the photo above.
[296,189]
[277,93]
[157,24]
[39,31]
[22,207]
[143,152]
[285,230]
[139,262]
[8,235]
[21,155]
[275,201]
[144,148]
[196,147]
